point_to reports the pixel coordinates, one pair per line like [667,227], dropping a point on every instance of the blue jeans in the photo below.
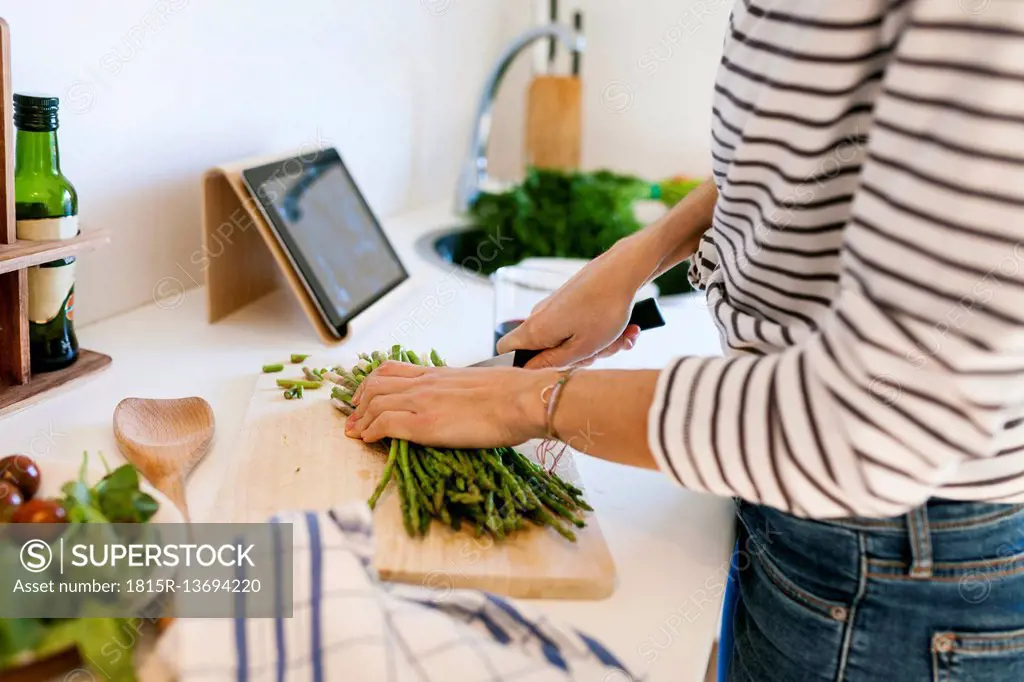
[934,596]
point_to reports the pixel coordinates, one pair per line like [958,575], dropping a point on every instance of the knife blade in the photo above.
[646,314]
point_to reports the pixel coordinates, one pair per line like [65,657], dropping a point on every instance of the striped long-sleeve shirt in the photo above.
[865,263]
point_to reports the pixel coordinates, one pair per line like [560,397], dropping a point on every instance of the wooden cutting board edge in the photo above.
[510,586]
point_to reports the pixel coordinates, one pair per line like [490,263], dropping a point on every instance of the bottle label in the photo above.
[50,285]
[48,228]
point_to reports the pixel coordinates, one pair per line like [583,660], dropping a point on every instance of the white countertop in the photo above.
[671,547]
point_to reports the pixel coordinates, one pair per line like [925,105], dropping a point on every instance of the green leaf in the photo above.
[115,499]
[77,492]
[80,504]
[120,499]
[18,638]
[107,645]
[146,507]
[83,469]
[119,507]
[83,513]
[123,478]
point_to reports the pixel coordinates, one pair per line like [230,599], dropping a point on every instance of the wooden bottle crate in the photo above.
[18,387]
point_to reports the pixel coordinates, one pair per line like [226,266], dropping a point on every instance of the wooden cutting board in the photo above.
[293,454]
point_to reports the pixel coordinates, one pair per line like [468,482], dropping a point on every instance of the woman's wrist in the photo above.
[530,406]
[675,237]
[639,256]
[658,247]
[604,413]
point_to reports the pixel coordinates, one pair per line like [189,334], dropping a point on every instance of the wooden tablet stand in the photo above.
[241,255]
[18,387]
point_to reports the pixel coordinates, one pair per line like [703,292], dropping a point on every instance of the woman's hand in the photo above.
[444,406]
[601,413]
[587,317]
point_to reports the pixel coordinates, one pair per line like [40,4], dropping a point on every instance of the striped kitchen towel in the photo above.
[349,626]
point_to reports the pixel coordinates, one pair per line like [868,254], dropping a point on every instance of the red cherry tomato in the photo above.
[39,511]
[47,518]
[22,472]
[10,500]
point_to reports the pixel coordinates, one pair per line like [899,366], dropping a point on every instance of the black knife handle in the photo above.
[646,315]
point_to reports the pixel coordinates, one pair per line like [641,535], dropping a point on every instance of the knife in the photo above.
[646,315]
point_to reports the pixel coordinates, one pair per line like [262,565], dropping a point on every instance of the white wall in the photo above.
[156,91]
[648,77]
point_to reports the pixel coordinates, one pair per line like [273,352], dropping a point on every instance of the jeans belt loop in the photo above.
[920,543]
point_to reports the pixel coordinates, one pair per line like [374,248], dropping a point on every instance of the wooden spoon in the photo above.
[165,439]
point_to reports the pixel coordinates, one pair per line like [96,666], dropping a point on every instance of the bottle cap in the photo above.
[35,113]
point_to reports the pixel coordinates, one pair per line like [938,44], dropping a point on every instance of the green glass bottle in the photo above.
[46,207]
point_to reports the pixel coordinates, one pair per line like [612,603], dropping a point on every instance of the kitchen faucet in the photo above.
[474,170]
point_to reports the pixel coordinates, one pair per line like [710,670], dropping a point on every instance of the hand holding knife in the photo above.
[646,315]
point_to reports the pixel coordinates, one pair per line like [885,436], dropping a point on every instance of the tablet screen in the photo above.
[330,232]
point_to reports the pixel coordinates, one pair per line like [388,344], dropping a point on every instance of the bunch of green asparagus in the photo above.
[495,491]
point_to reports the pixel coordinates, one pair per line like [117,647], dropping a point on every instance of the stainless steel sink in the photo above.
[469,249]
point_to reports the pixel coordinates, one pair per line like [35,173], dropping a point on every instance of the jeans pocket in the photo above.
[820,607]
[978,656]
[782,631]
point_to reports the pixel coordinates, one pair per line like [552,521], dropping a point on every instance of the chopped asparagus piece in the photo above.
[338,393]
[343,407]
[292,383]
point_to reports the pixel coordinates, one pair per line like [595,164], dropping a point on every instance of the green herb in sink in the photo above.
[555,214]
[672,190]
[560,215]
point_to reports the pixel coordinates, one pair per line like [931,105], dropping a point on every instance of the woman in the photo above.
[860,249]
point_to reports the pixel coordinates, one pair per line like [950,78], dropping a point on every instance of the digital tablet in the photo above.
[329,233]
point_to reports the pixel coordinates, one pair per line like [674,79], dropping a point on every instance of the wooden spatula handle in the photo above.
[174,488]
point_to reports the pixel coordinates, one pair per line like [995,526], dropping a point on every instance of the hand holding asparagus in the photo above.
[495,491]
